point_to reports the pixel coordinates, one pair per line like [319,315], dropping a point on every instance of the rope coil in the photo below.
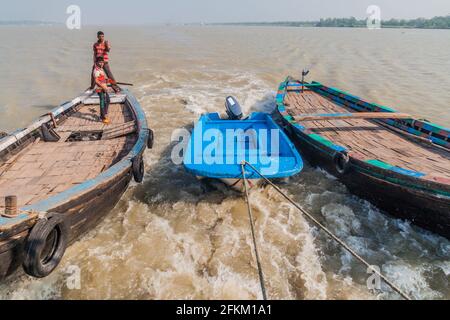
[321,226]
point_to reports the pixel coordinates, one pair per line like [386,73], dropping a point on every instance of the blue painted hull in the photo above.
[217,148]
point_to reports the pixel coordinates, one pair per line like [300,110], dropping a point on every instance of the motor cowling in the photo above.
[234,110]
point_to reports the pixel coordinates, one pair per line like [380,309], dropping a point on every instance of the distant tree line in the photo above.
[341,23]
[420,23]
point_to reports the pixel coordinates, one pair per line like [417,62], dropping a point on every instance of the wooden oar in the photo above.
[120,83]
[356,115]
[125,84]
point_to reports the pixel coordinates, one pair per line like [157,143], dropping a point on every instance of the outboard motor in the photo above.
[234,110]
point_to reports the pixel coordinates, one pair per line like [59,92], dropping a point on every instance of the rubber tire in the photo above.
[342,162]
[150,139]
[35,244]
[138,169]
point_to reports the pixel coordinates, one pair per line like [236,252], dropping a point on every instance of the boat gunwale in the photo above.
[421,183]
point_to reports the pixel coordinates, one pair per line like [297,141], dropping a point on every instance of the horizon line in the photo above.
[27,21]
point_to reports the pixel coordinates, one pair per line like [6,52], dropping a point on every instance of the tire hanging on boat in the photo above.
[342,162]
[138,169]
[150,139]
[46,245]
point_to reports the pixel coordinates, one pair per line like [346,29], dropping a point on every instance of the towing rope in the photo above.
[321,226]
[250,217]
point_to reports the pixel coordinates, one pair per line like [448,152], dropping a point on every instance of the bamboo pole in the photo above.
[356,115]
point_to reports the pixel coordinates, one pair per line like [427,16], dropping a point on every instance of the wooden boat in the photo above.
[399,163]
[218,146]
[66,170]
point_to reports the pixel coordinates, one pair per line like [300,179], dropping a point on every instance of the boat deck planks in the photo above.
[367,137]
[48,168]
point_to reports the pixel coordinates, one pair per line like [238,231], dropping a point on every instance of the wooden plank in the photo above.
[358,115]
[372,139]
[119,130]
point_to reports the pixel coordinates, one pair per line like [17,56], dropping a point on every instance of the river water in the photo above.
[172,237]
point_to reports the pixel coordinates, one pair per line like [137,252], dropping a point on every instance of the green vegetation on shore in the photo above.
[419,23]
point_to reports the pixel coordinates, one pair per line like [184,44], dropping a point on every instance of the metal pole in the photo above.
[303,82]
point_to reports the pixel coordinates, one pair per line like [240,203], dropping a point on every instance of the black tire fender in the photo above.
[150,139]
[341,162]
[138,169]
[46,245]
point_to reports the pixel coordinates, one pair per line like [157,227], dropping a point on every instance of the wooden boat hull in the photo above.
[428,212]
[84,205]
[84,214]
[401,193]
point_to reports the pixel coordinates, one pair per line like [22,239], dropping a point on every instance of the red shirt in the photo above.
[100,50]
[100,76]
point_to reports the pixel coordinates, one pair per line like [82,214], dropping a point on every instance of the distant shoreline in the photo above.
[438,23]
[29,23]
[442,23]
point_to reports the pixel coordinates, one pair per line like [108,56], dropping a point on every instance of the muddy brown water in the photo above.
[174,238]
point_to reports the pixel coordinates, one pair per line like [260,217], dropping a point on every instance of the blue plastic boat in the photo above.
[218,146]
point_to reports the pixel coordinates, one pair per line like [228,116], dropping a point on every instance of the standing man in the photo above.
[101,80]
[101,49]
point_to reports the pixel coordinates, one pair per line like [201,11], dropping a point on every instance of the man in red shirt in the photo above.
[101,49]
[101,81]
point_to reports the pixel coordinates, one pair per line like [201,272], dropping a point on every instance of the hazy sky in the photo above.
[185,11]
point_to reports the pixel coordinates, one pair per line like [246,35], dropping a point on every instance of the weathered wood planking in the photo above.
[92,173]
[119,130]
[47,168]
[366,137]
[400,165]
